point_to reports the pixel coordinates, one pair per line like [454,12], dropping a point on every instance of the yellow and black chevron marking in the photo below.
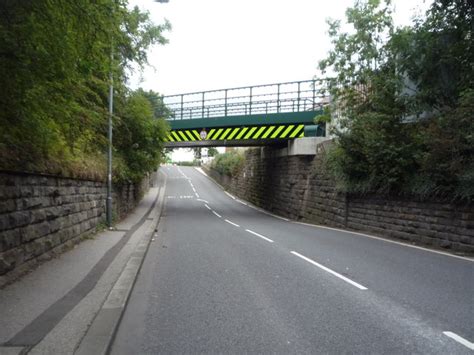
[239,133]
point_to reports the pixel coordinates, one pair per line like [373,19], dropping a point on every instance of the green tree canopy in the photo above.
[403,101]
[55,64]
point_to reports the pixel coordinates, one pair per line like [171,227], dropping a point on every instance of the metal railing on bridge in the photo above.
[294,96]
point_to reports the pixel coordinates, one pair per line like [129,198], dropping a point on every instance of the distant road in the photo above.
[222,277]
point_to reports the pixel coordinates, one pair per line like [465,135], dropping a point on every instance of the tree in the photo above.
[382,76]
[374,150]
[55,63]
[156,100]
[139,138]
[358,56]
[438,56]
[212,152]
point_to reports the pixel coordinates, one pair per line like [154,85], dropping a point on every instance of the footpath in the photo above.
[73,304]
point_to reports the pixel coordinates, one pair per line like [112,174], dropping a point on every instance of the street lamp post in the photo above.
[109,151]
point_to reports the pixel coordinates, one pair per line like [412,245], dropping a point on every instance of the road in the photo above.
[223,277]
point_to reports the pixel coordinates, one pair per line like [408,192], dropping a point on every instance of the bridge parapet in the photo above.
[296,96]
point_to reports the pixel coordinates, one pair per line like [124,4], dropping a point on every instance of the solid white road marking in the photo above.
[353,283]
[197,195]
[259,235]
[228,194]
[232,223]
[201,171]
[243,203]
[265,212]
[460,340]
[209,208]
[217,214]
[200,199]
[384,240]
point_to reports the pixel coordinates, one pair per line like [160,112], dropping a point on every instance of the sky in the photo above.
[217,44]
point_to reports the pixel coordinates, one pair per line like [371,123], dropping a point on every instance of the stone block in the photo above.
[54,225]
[18,219]
[38,216]
[10,259]
[33,249]
[48,242]
[42,201]
[26,191]
[4,222]
[9,192]
[52,213]
[7,206]
[34,231]
[9,239]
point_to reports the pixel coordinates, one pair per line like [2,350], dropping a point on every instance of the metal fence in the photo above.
[294,96]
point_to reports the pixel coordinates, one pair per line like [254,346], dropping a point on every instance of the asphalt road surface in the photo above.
[222,277]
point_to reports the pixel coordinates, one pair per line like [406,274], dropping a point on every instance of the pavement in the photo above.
[52,309]
[224,277]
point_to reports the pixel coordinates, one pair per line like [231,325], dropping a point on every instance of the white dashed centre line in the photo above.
[217,214]
[234,224]
[259,235]
[353,283]
[460,340]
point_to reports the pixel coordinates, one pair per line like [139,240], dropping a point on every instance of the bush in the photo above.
[229,163]
[447,159]
[194,162]
[138,139]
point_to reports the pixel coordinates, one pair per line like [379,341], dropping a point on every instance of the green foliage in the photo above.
[376,155]
[156,101]
[229,163]
[325,117]
[55,65]
[138,138]
[447,159]
[194,162]
[357,56]
[437,53]
[405,101]
[212,152]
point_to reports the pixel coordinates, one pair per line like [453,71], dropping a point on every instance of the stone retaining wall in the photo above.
[298,187]
[41,215]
